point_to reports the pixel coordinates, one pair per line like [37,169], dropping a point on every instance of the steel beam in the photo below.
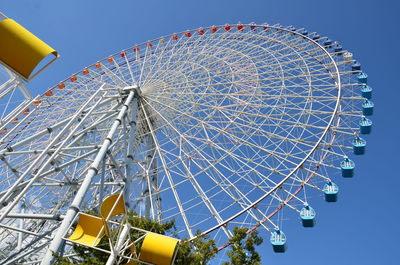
[92,171]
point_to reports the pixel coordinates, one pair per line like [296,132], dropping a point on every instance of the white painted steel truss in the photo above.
[213,130]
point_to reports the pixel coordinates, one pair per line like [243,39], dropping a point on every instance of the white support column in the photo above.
[130,152]
[147,193]
[103,175]
[92,171]
[120,242]
[21,210]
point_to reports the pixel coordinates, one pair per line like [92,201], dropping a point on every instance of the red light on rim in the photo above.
[97,65]
[240,27]
[149,44]
[61,85]
[72,78]
[135,49]
[49,93]
[174,37]
[214,29]
[227,27]
[110,59]
[188,34]
[201,31]
[123,54]
[85,71]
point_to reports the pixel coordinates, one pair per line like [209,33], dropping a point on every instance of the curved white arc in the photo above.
[305,158]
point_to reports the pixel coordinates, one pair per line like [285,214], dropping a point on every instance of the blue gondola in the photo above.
[315,36]
[278,241]
[302,31]
[347,167]
[365,126]
[307,215]
[359,145]
[291,28]
[348,58]
[338,49]
[362,78]
[327,43]
[368,108]
[366,91]
[331,191]
[356,66]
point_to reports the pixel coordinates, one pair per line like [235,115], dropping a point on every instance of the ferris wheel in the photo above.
[214,128]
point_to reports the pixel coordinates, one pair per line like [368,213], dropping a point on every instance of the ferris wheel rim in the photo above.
[325,132]
[183,34]
[305,158]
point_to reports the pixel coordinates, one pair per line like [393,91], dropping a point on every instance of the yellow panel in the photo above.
[158,249]
[88,229]
[108,204]
[20,49]
[78,233]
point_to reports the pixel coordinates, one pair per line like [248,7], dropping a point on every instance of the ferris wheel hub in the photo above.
[147,90]
[132,87]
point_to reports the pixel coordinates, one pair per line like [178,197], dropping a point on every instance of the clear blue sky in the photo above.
[363,226]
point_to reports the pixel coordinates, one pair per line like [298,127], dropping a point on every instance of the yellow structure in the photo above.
[112,206]
[158,249]
[21,51]
[89,230]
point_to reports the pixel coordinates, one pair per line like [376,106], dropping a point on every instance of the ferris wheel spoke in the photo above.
[205,199]
[114,77]
[317,75]
[192,69]
[218,183]
[230,83]
[242,196]
[236,139]
[268,135]
[182,212]
[230,109]
[180,50]
[158,63]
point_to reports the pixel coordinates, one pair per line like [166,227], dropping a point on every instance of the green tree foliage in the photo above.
[196,252]
[242,246]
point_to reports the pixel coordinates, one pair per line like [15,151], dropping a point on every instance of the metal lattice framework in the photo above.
[214,128]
